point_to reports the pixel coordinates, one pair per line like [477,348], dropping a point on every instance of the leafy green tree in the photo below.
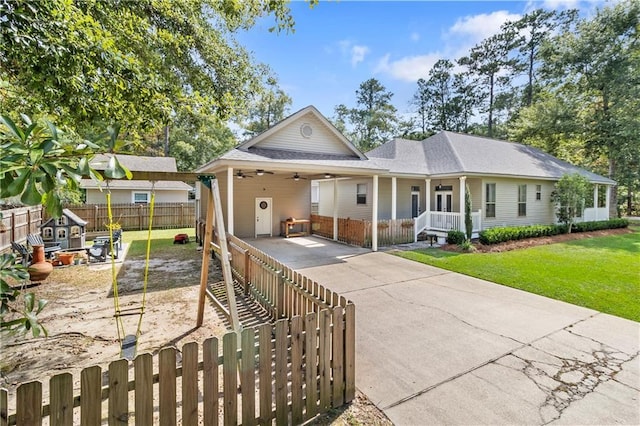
[598,68]
[267,109]
[373,121]
[489,62]
[133,62]
[569,195]
[531,31]
[194,140]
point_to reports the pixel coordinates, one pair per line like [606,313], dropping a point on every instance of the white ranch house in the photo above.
[267,180]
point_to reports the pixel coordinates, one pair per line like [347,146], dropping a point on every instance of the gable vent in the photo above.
[306,130]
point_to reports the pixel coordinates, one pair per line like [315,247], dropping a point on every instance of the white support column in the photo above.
[335,209]
[595,200]
[394,197]
[463,188]
[230,200]
[607,200]
[427,201]
[374,214]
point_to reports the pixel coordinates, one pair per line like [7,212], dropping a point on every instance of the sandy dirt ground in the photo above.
[82,330]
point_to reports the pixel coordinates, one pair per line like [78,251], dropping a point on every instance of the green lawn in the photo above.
[161,240]
[599,273]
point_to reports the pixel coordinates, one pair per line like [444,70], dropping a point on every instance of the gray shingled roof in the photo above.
[284,157]
[137,163]
[456,153]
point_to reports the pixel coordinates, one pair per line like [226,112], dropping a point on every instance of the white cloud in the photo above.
[465,33]
[478,27]
[408,68]
[415,36]
[357,54]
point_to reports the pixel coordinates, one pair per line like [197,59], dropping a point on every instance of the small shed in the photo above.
[68,230]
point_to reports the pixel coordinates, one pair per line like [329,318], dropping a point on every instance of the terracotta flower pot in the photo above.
[40,268]
[66,258]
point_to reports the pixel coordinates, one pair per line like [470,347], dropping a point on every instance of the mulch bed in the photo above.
[532,242]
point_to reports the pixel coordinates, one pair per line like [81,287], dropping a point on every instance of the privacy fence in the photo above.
[359,232]
[136,216]
[17,223]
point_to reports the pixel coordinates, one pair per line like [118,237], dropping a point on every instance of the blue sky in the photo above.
[339,44]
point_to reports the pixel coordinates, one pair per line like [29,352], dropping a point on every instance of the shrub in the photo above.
[455,237]
[510,233]
[600,224]
[467,247]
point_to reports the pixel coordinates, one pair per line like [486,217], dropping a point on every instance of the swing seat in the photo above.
[128,349]
[98,251]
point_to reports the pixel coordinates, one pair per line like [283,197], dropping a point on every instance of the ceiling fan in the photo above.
[260,172]
[297,177]
[241,175]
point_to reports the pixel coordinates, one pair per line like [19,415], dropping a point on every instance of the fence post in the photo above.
[247,271]
[280,294]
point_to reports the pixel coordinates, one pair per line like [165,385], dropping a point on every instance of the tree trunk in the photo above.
[490,126]
[166,140]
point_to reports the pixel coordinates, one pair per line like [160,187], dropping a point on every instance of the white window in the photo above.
[47,234]
[141,197]
[490,200]
[75,231]
[522,200]
[315,192]
[538,192]
[361,193]
[62,233]
[61,221]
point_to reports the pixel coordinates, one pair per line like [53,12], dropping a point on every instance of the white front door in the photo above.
[263,217]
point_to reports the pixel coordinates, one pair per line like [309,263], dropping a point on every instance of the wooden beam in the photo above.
[165,176]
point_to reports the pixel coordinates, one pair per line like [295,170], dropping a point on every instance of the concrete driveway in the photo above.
[436,347]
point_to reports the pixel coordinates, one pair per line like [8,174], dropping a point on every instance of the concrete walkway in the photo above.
[436,347]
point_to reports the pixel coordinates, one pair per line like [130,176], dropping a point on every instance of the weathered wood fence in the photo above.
[358,232]
[17,223]
[390,232]
[136,216]
[287,372]
[280,290]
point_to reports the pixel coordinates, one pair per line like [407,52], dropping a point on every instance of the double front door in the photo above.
[444,201]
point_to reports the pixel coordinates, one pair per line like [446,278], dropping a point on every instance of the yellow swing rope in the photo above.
[114,275]
[146,264]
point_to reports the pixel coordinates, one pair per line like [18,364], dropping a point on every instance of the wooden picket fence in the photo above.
[135,216]
[390,232]
[358,232]
[350,231]
[280,290]
[288,372]
[17,223]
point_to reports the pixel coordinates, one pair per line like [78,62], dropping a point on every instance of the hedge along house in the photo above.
[268,179]
[125,191]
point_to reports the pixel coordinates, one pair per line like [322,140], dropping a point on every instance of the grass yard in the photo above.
[599,273]
[161,241]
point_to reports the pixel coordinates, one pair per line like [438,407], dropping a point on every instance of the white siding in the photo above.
[348,208]
[538,211]
[289,199]
[124,196]
[322,139]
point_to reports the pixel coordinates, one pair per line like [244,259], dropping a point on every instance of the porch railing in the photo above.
[446,221]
